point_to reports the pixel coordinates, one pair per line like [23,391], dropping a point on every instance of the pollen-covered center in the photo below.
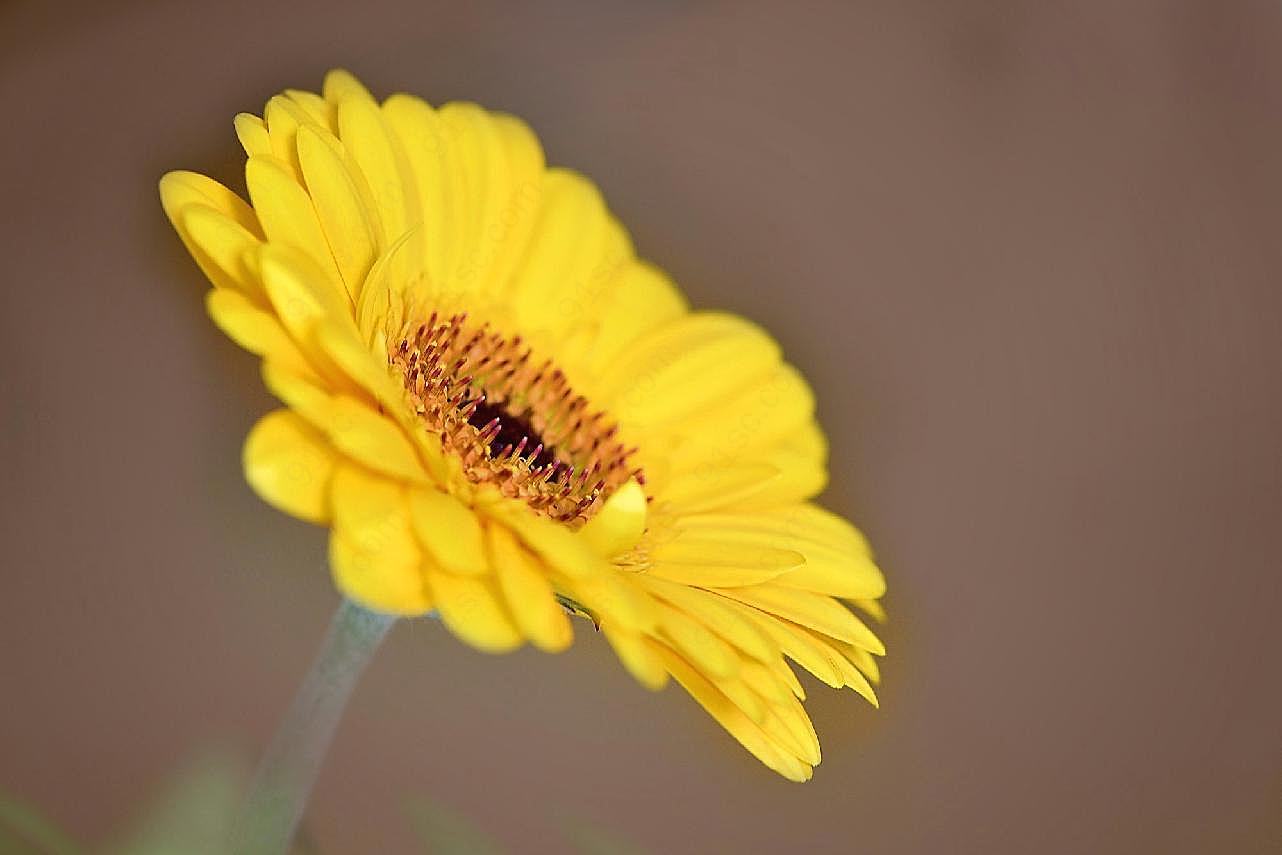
[512,420]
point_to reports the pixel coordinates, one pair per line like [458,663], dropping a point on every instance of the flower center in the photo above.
[511,420]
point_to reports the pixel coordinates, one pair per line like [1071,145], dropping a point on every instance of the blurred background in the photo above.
[1026,252]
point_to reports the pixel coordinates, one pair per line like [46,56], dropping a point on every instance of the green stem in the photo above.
[287,771]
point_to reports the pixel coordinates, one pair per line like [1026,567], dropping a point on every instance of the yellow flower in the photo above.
[505,416]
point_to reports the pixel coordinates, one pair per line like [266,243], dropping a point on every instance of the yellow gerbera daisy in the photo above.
[504,416]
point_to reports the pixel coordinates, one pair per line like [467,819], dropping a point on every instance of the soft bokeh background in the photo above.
[1027,254]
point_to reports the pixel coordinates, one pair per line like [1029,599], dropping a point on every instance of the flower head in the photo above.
[504,416]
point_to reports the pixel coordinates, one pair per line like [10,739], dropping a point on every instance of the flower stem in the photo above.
[287,771]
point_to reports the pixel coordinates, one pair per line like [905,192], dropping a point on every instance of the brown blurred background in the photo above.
[1027,254]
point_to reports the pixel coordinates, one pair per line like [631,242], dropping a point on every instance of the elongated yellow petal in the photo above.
[836,563]
[788,723]
[637,655]
[763,414]
[365,135]
[709,550]
[694,358]
[697,643]
[717,485]
[861,659]
[872,608]
[612,598]
[253,136]
[519,198]
[430,158]
[374,440]
[316,108]
[375,558]
[226,244]
[290,465]
[765,681]
[802,464]
[179,192]
[180,188]
[473,610]
[299,291]
[714,613]
[575,249]
[255,329]
[339,84]
[808,609]
[801,647]
[286,212]
[305,394]
[450,531]
[283,118]
[751,736]
[351,233]
[641,299]
[620,522]
[561,548]
[380,580]
[528,595]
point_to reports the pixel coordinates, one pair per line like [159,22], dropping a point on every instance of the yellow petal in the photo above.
[529,597]
[637,655]
[439,185]
[861,659]
[696,643]
[576,248]
[339,84]
[808,609]
[519,196]
[366,137]
[765,681]
[290,465]
[342,344]
[252,133]
[254,329]
[225,243]
[686,364]
[352,236]
[179,191]
[839,566]
[282,118]
[286,212]
[716,485]
[471,607]
[377,580]
[872,608]
[374,440]
[476,152]
[641,299]
[762,415]
[713,612]
[181,188]
[560,547]
[788,723]
[297,289]
[449,530]
[314,106]
[695,558]
[610,597]
[801,463]
[798,645]
[374,555]
[619,523]
[303,393]
[733,719]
